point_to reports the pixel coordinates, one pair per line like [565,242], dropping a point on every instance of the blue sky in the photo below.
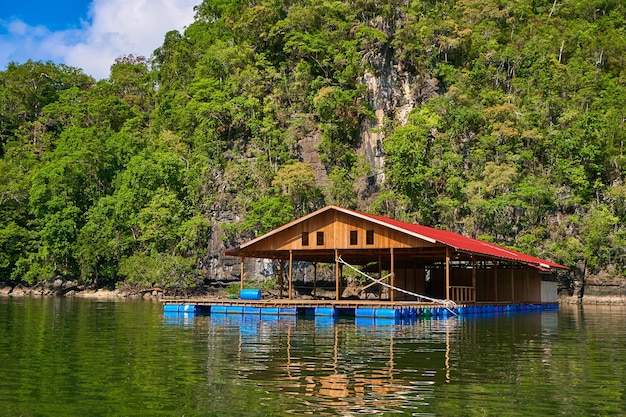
[55,15]
[88,34]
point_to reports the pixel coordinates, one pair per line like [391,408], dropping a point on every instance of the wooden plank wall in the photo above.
[336,228]
[410,279]
[527,283]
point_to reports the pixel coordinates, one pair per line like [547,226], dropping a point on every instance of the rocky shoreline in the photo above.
[65,288]
[593,294]
[595,290]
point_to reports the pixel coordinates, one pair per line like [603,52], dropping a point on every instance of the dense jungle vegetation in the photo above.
[123,179]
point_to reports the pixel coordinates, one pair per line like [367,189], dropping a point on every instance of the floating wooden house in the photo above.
[411,262]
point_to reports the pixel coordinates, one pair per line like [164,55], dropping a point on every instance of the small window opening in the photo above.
[305,238]
[354,237]
[369,237]
[320,238]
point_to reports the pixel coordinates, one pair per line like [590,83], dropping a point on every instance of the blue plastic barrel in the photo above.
[386,313]
[287,311]
[218,309]
[234,309]
[325,311]
[364,312]
[187,308]
[251,310]
[170,308]
[250,294]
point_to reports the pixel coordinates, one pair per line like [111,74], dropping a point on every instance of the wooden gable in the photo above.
[332,229]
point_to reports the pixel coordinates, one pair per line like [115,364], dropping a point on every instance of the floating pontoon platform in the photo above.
[332,308]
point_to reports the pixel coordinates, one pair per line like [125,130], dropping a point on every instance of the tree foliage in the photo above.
[520,141]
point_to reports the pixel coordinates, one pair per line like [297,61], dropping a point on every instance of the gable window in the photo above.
[369,237]
[305,238]
[354,237]
[320,238]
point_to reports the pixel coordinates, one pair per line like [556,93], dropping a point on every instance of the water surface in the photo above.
[64,357]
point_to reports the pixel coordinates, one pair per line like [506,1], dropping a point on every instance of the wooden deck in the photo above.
[324,308]
[300,303]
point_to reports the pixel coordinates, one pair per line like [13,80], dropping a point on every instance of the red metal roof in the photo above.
[453,240]
[459,242]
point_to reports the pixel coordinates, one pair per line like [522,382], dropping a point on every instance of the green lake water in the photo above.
[73,357]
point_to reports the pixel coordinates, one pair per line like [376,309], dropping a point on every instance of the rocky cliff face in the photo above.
[392,93]
[593,289]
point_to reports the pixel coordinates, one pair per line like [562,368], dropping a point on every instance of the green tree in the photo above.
[266,214]
[597,235]
[158,270]
[27,88]
[515,132]
[297,182]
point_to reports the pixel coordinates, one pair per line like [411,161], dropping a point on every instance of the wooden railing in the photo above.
[462,295]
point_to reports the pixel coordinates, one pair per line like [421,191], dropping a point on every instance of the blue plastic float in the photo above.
[250,294]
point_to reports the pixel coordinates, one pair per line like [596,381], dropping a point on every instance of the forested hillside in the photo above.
[502,120]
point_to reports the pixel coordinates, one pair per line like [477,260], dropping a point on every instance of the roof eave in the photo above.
[284,227]
[388,225]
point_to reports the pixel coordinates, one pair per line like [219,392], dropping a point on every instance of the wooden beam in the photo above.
[314,279]
[376,281]
[380,274]
[290,274]
[447,273]
[512,283]
[393,275]
[243,259]
[340,280]
[483,281]
[495,279]
[281,279]
[527,286]
[474,278]
[337,275]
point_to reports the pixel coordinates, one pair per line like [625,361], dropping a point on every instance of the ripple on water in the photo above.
[127,359]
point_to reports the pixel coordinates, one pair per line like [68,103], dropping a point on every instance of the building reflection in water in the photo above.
[366,365]
[330,366]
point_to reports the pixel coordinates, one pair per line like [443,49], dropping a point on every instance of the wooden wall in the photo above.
[526,283]
[410,279]
[336,228]
[523,286]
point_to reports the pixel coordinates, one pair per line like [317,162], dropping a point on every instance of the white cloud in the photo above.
[116,28]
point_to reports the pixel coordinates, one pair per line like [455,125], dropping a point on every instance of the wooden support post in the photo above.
[483,280]
[512,283]
[314,279]
[380,274]
[290,274]
[243,259]
[495,279]
[473,279]
[447,273]
[281,271]
[337,275]
[392,279]
[414,280]
[340,280]
[527,296]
